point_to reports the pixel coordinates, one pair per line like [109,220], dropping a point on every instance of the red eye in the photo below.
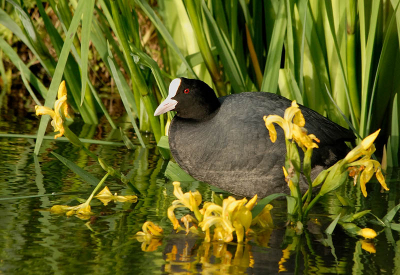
[186,91]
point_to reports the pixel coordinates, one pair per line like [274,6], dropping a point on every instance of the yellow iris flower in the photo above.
[359,161]
[368,168]
[234,215]
[292,124]
[190,200]
[60,110]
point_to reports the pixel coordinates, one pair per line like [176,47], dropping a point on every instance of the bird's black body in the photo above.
[228,145]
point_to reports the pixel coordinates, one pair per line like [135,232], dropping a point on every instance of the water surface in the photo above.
[35,241]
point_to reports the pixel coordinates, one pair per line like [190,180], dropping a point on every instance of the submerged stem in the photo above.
[97,188]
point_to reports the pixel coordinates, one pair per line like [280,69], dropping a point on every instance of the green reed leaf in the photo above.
[85,38]
[228,58]
[271,71]
[176,173]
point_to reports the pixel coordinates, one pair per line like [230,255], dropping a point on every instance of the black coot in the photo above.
[224,141]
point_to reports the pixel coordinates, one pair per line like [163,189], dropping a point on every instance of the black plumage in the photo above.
[224,141]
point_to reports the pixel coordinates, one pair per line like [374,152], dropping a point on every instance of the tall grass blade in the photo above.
[390,215]
[228,58]
[303,40]
[194,60]
[85,37]
[367,63]
[395,131]
[386,54]
[102,27]
[271,71]
[290,40]
[194,12]
[331,22]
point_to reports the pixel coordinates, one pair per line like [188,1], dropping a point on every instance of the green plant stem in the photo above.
[307,173]
[205,48]
[308,195]
[312,203]
[294,163]
[299,202]
[97,188]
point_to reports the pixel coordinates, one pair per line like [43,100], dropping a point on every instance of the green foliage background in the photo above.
[339,58]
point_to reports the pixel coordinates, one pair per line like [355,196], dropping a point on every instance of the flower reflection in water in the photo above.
[211,258]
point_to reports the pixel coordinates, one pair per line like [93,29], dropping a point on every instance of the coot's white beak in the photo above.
[169,104]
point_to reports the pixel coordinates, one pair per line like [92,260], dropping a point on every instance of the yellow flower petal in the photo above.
[381,179]
[368,167]
[239,231]
[291,112]
[104,193]
[62,90]
[245,217]
[362,148]
[250,205]
[43,110]
[270,126]
[171,216]
[367,233]
[219,234]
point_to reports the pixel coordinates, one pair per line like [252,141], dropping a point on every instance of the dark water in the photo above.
[34,241]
